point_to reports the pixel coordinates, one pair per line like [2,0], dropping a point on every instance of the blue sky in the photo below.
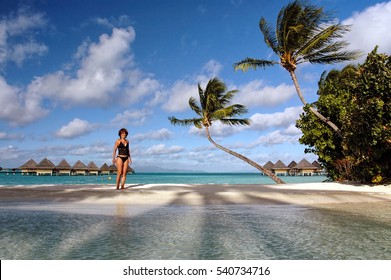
[72,73]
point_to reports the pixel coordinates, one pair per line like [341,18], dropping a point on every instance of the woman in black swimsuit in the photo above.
[123,159]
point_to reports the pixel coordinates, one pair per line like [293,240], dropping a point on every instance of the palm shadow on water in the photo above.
[217,228]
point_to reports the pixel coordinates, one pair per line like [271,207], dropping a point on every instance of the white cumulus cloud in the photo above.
[255,93]
[14,45]
[100,74]
[74,128]
[16,108]
[182,90]
[134,117]
[162,149]
[370,28]
[161,134]
[279,119]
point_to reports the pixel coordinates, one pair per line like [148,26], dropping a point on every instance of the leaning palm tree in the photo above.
[214,106]
[304,33]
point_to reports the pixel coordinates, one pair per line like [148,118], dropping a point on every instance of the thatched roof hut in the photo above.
[105,169]
[269,165]
[79,168]
[292,170]
[113,169]
[319,168]
[45,167]
[292,164]
[29,166]
[280,168]
[317,165]
[63,167]
[92,169]
[305,168]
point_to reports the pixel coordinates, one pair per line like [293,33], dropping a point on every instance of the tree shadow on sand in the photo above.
[218,227]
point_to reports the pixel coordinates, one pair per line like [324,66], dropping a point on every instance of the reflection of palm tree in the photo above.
[303,34]
[214,107]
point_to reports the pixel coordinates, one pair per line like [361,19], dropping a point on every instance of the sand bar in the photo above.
[199,194]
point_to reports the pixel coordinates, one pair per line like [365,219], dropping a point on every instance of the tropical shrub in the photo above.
[358,100]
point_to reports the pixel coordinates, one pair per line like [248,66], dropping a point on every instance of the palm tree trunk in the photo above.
[313,110]
[249,161]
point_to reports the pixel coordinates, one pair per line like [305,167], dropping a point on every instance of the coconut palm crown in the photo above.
[303,33]
[214,106]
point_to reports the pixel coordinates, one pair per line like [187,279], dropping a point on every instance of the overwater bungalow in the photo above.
[280,169]
[45,167]
[113,169]
[29,167]
[304,168]
[79,168]
[104,169]
[319,170]
[292,170]
[92,169]
[63,168]
[269,165]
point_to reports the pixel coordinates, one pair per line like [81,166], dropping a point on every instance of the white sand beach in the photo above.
[194,194]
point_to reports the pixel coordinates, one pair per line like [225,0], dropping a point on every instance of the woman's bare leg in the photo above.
[119,171]
[124,172]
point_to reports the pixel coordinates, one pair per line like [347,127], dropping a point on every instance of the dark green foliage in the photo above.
[358,100]
[368,125]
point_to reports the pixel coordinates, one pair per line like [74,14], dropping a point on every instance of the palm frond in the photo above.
[202,96]
[322,37]
[227,97]
[268,35]
[233,122]
[286,19]
[248,63]
[214,107]
[237,110]
[229,112]
[194,106]
[335,57]
[197,122]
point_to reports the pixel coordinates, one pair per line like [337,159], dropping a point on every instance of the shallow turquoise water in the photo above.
[74,231]
[155,178]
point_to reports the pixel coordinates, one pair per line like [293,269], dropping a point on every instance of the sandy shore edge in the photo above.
[199,194]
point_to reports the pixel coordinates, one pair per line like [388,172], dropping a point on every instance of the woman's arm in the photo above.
[115,150]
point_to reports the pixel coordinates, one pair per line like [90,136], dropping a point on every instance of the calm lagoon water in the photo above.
[119,231]
[155,178]
[76,231]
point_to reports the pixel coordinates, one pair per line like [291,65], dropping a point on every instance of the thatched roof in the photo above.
[92,166]
[79,166]
[29,165]
[63,164]
[304,164]
[45,164]
[113,167]
[280,165]
[105,167]
[269,165]
[317,165]
[292,164]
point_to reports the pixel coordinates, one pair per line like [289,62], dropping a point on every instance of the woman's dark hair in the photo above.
[122,130]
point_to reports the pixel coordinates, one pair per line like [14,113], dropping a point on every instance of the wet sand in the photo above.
[194,194]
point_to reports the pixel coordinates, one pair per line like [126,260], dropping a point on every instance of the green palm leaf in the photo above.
[248,63]
[214,105]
